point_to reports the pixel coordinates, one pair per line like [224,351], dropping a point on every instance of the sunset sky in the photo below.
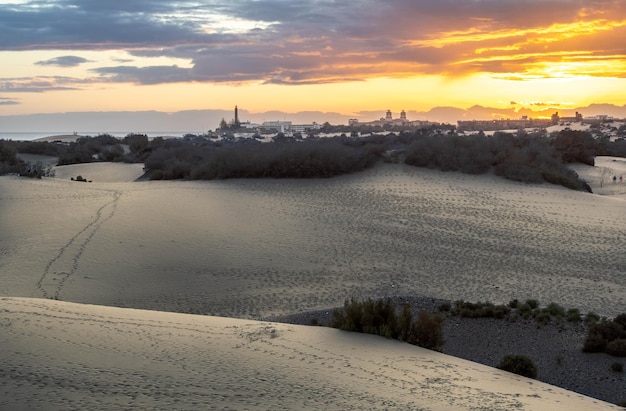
[325,55]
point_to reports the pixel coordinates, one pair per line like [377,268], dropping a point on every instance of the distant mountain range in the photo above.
[198,121]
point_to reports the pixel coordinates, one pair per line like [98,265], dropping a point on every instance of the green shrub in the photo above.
[575,146]
[518,171]
[617,367]
[380,318]
[513,303]
[573,315]
[405,322]
[466,312]
[519,364]
[501,311]
[555,310]
[609,330]
[428,331]
[486,310]
[594,343]
[601,334]
[616,348]
[480,310]
[524,310]
[591,318]
[157,175]
[445,307]
[533,304]
[621,319]
[542,317]
[282,158]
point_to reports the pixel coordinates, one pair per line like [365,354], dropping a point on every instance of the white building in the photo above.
[281,126]
[301,128]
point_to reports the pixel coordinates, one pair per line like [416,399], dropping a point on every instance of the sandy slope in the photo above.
[601,176]
[101,172]
[256,248]
[59,355]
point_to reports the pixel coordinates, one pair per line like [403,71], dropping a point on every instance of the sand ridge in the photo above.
[81,356]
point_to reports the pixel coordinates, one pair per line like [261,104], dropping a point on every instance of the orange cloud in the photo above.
[249,42]
[581,48]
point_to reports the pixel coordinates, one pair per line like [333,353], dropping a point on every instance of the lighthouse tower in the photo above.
[237,124]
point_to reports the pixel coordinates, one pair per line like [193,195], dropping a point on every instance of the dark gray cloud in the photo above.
[145,75]
[63,61]
[5,101]
[42,84]
[313,41]
[96,25]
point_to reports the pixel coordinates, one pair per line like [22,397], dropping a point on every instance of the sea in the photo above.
[29,136]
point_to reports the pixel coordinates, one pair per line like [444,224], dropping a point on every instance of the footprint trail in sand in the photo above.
[65,264]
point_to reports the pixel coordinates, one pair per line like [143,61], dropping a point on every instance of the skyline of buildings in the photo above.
[199,121]
[403,121]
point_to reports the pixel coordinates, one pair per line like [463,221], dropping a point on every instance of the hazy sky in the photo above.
[291,55]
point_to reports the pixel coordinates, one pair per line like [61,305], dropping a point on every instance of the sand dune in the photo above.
[252,249]
[59,355]
[258,248]
[101,172]
[600,177]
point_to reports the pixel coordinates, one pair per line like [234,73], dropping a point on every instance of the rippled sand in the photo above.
[60,356]
[255,248]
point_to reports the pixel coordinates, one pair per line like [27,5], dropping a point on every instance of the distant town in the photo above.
[527,150]
[391,123]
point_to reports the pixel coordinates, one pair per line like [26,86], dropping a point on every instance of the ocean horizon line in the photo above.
[34,135]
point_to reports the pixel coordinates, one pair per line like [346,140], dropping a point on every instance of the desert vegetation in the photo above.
[518,364]
[131,149]
[81,179]
[526,158]
[530,158]
[529,309]
[11,164]
[283,158]
[381,318]
[608,336]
